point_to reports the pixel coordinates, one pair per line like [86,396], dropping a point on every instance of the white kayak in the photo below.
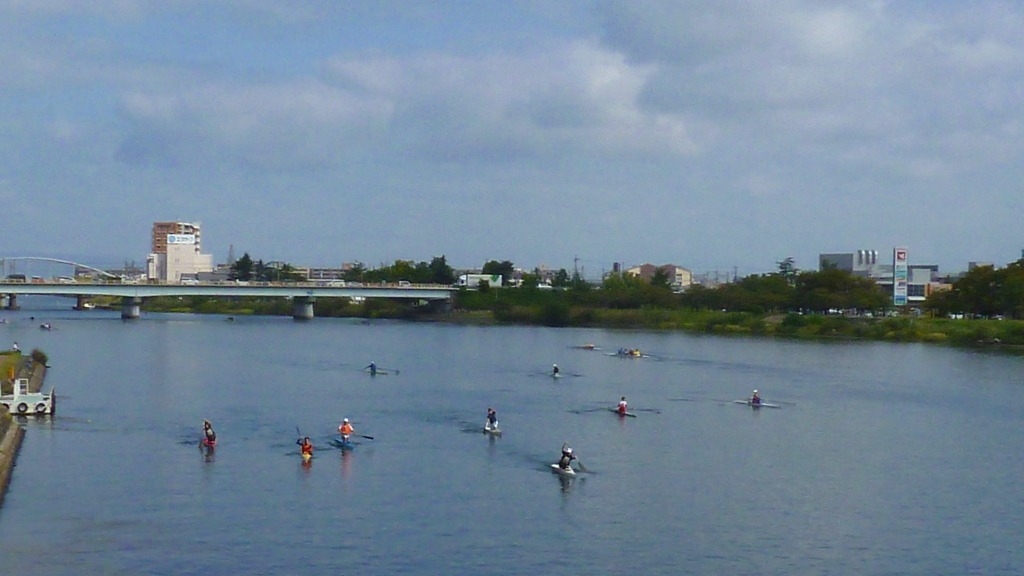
[758,405]
[568,472]
[492,430]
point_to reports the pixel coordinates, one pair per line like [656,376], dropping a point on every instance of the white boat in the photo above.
[25,403]
[568,472]
[492,430]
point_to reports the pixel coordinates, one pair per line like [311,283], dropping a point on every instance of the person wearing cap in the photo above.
[492,419]
[209,436]
[755,399]
[554,370]
[567,457]
[345,430]
[622,406]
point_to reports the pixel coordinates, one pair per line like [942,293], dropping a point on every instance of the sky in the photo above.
[714,135]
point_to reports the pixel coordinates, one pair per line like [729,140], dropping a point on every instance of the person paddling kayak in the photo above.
[755,399]
[622,406]
[306,446]
[492,419]
[554,370]
[209,436]
[372,367]
[345,430]
[567,457]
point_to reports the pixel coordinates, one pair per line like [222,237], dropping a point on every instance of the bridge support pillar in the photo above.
[12,302]
[130,307]
[80,302]
[302,307]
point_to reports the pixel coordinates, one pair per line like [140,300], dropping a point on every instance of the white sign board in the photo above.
[181,238]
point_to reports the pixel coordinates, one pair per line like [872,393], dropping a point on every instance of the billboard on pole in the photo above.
[900,273]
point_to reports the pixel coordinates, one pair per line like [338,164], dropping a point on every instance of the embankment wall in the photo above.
[11,435]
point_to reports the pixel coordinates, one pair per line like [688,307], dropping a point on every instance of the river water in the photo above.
[882,459]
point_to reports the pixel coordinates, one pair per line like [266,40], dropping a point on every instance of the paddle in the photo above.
[582,467]
[364,436]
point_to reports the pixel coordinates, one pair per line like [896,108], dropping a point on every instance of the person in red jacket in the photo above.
[307,447]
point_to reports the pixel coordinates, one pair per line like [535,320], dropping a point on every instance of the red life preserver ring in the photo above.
[22,408]
[41,408]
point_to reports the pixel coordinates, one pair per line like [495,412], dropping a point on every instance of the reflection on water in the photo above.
[882,458]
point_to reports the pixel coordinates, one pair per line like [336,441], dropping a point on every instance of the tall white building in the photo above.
[177,251]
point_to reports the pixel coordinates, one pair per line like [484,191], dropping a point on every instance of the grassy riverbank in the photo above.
[325,307]
[899,329]
[558,313]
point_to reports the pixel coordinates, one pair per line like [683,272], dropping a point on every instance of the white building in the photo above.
[175,253]
[678,277]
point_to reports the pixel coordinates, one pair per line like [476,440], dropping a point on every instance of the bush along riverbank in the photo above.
[484,308]
[325,307]
[811,326]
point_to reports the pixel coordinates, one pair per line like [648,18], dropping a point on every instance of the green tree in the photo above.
[355,273]
[838,289]
[242,269]
[788,270]
[505,268]
[440,271]
[561,279]
[660,279]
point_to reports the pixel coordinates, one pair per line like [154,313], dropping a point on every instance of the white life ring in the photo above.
[22,408]
[41,408]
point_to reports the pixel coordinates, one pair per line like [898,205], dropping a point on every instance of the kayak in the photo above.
[760,405]
[377,373]
[307,456]
[208,444]
[569,473]
[492,430]
[343,444]
[622,414]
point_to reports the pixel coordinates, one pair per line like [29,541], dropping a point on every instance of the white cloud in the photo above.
[577,100]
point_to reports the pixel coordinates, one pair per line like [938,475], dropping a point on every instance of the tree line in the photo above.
[437,271]
[984,291]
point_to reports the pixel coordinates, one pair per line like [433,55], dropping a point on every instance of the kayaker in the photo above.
[15,347]
[755,399]
[554,370]
[345,430]
[209,436]
[492,419]
[306,446]
[622,405]
[372,367]
[567,457]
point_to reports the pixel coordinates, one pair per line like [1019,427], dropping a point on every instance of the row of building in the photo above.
[177,257]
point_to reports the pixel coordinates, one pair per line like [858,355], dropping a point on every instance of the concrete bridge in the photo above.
[303,295]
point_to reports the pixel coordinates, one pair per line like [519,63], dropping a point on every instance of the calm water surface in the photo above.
[884,459]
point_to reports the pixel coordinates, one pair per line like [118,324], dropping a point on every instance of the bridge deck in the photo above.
[287,290]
